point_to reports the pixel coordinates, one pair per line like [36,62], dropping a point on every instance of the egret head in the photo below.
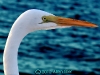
[41,20]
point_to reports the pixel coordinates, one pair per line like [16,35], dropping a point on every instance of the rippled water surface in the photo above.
[76,48]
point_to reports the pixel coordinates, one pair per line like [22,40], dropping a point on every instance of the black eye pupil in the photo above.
[44,18]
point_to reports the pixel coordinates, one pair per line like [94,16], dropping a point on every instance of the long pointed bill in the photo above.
[73,22]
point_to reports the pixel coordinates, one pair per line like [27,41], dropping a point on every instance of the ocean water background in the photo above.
[76,48]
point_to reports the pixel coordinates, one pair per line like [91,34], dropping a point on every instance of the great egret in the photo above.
[32,20]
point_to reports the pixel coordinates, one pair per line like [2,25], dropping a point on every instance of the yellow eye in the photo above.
[44,18]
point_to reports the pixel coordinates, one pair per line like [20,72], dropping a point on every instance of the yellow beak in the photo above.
[60,21]
[73,22]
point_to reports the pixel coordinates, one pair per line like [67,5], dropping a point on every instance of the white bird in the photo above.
[32,20]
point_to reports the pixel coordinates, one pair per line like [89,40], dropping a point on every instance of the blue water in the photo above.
[76,49]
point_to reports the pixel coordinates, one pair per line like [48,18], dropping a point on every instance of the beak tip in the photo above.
[95,26]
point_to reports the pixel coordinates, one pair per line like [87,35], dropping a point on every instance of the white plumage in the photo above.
[27,22]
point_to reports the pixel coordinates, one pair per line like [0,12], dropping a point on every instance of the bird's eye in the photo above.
[44,19]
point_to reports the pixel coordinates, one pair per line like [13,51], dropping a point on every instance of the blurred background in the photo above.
[76,49]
